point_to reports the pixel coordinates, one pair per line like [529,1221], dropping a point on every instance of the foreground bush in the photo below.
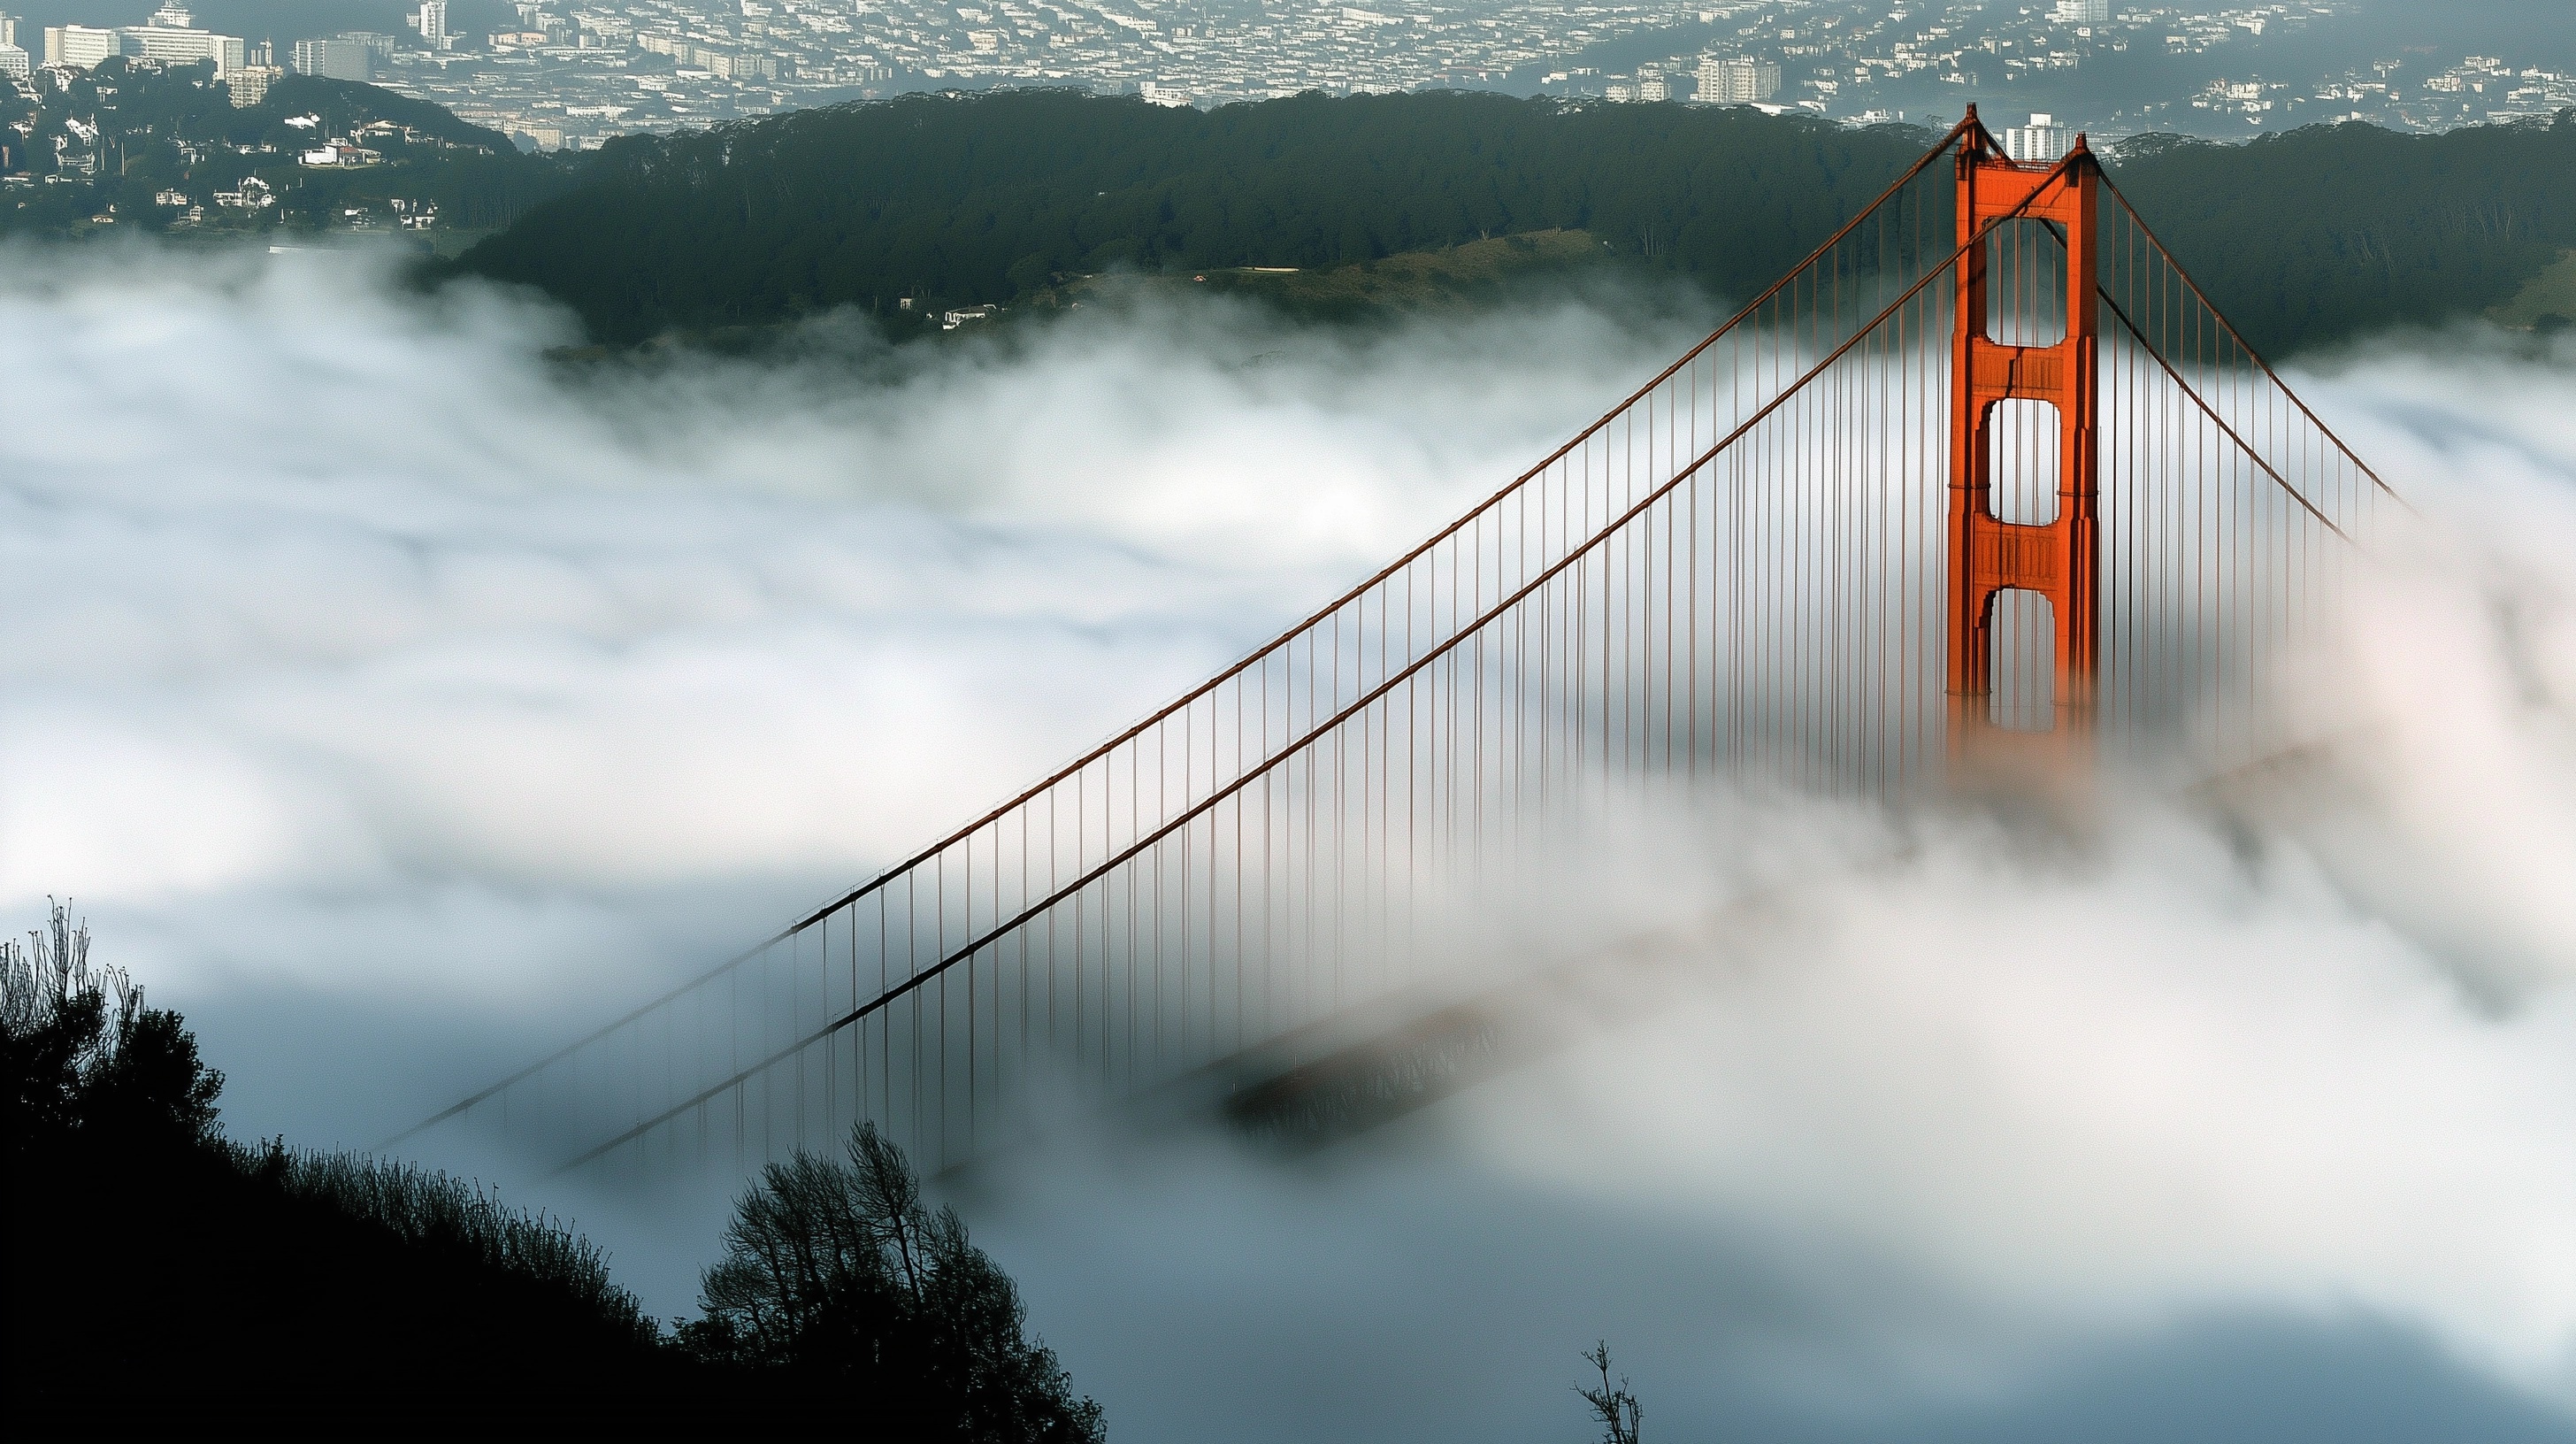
[160,1274]
[78,1064]
[156,1268]
[837,1282]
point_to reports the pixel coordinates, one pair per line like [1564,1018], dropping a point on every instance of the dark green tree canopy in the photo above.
[2309,237]
[953,200]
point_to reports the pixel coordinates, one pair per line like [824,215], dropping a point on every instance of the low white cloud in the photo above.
[358,648]
[1912,1112]
[329,589]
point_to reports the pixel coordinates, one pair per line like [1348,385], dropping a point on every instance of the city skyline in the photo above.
[575,75]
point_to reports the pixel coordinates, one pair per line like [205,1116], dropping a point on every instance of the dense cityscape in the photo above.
[573,75]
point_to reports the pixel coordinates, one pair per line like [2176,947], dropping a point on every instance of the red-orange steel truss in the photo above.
[2059,559]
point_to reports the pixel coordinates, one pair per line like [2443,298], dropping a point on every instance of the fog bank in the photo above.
[395,700]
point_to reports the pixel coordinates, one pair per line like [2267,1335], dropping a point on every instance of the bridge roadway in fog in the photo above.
[1385,1060]
[1982,497]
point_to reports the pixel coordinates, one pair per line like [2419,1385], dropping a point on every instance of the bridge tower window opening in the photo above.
[2023,628]
[2024,265]
[2024,442]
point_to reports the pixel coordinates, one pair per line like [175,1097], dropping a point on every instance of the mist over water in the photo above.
[396,701]
[368,652]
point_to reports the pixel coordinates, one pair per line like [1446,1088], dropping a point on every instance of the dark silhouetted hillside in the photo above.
[2317,235]
[158,1271]
[2304,238]
[163,1277]
[954,200]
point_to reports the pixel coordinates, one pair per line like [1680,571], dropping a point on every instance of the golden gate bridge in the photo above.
[1984,492]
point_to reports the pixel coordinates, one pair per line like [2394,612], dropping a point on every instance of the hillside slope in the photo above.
[2313,236]
[958,200]
[159,148]
[2304,238]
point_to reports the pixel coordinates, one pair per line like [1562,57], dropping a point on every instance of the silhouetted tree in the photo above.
[837,1277]
[1616,1408]
[81,1051]
[163,1274]
[293,1286]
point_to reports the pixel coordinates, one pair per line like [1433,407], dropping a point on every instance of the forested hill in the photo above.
[2315,235]
[957,200]
[162,148]
[343,106]
[2305,238]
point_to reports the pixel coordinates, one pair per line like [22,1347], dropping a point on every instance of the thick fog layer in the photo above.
[369,654]
[395,698]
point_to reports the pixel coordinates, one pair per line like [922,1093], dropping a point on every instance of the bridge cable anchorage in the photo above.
[1355,708]
[1737,576]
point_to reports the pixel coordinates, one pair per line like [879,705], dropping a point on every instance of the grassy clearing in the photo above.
[1471,274]
[1461,275]
[2547,297]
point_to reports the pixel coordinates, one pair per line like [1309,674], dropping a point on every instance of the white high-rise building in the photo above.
[1737,80]
[338,58]
[178,45]
[433,22]
[250,84]
[2081,12]
[79,46]
[170,38]
[8,29]
[14,62]
[2041,140]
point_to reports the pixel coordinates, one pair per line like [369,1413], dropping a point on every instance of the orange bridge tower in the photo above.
[2057,557]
